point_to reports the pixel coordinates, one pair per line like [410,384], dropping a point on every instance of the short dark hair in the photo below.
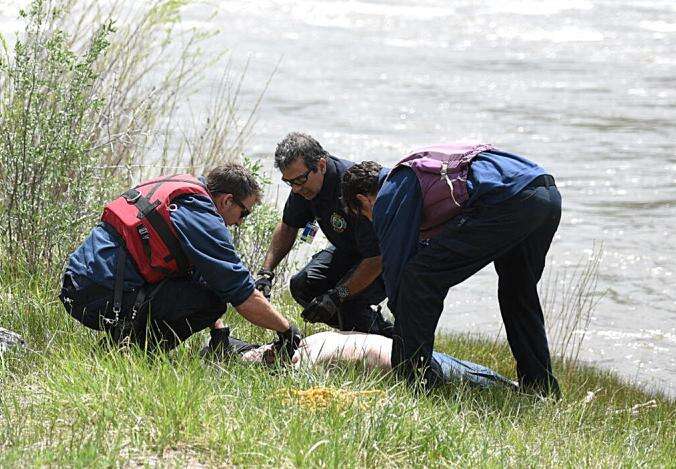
[235,179]
[361,178]
[296,145]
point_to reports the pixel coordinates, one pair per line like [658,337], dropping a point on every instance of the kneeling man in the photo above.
[161,264]
[341,284]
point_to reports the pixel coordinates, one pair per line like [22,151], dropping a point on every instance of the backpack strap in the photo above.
[119,282]
[147,210]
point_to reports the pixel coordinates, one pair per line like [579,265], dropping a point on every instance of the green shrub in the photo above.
[90,99]
[48,154]
[252,238]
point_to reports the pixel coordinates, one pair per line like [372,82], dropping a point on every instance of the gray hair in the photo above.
[296,145]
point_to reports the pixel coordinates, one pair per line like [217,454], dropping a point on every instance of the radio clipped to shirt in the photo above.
[309,232]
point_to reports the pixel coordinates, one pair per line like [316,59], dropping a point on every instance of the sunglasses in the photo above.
[245,211]
[300,180]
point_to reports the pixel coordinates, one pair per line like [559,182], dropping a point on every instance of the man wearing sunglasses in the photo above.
[341,283]
[161,264]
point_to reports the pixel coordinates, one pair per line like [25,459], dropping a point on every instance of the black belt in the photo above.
[544,180]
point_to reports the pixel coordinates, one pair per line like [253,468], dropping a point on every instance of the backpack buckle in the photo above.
[132,196]
[143,232]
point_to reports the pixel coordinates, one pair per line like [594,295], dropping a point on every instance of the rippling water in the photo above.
[585,88]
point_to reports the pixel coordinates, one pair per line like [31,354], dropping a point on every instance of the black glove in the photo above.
[264,282]
[287,342]
[323,308]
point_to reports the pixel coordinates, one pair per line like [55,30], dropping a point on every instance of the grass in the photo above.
[68,402]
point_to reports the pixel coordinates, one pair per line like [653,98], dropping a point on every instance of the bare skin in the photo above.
[282,241]
[230,211]
[259,312]
[345,347]
[364,274]
[367,202]
[331,347]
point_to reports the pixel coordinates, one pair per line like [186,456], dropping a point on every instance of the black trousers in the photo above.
[172,311]
[515,236]
[324,271]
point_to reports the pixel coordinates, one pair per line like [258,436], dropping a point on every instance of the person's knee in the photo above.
[298,286]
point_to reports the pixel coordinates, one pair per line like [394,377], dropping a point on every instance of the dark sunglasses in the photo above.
[300,180]
[245,211]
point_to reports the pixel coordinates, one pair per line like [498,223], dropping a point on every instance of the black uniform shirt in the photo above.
[353,236]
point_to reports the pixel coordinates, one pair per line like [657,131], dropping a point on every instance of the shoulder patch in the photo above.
[338,222]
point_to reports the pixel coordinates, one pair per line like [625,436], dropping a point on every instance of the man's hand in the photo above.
[287,342]
[324,308]
[264,282]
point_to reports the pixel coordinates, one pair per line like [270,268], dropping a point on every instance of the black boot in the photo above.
[219,344]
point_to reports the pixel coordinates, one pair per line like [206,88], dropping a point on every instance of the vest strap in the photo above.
[147,211]
[131,196]
[144,234]
[140,298]
[119,282]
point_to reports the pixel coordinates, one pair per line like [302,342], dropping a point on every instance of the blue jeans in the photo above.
[515,236]
[456,371]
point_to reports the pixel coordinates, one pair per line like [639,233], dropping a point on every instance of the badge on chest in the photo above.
[338,222]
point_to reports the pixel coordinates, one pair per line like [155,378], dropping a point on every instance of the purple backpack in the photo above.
[442,173]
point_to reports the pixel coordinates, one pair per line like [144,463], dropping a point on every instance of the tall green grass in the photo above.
[69,402]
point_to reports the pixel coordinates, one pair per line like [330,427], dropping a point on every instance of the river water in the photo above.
[585,88]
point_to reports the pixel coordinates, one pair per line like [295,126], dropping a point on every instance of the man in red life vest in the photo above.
[442,214]
[161,264]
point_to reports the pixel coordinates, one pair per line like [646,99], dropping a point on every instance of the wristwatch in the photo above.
[343,292]
[267,274]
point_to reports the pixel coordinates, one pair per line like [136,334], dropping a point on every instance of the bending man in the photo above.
[161,264]
[441,215]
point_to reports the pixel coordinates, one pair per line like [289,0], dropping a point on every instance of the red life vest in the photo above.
[442,174]
[141,216]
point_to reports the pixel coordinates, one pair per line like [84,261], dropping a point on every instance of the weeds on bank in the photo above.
[79,404]
[90,98]
[69,401]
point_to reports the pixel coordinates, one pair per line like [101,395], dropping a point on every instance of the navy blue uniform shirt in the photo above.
[351,235]
[206,242]
[494,177]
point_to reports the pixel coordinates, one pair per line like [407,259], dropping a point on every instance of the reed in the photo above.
[569,298]
[68,402]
